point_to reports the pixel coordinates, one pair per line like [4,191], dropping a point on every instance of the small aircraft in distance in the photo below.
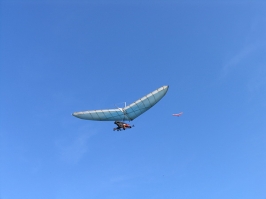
[178,114]
[122,125]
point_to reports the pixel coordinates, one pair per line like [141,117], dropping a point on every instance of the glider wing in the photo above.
[145,103]
[101,115]
[129,112]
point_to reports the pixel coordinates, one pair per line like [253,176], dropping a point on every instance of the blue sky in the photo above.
[58,57]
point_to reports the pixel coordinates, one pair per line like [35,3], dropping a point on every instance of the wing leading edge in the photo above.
[128,113]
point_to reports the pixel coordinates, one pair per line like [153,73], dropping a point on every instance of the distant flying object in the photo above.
[178,114]
[128,113]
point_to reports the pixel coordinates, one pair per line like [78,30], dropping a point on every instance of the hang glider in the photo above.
[178,114]
[127,113]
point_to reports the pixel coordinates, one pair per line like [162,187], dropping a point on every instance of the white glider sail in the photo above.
[128,113]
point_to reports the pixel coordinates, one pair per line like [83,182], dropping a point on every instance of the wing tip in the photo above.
[165,87]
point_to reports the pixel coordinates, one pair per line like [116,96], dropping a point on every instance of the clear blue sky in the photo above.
[58,57]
